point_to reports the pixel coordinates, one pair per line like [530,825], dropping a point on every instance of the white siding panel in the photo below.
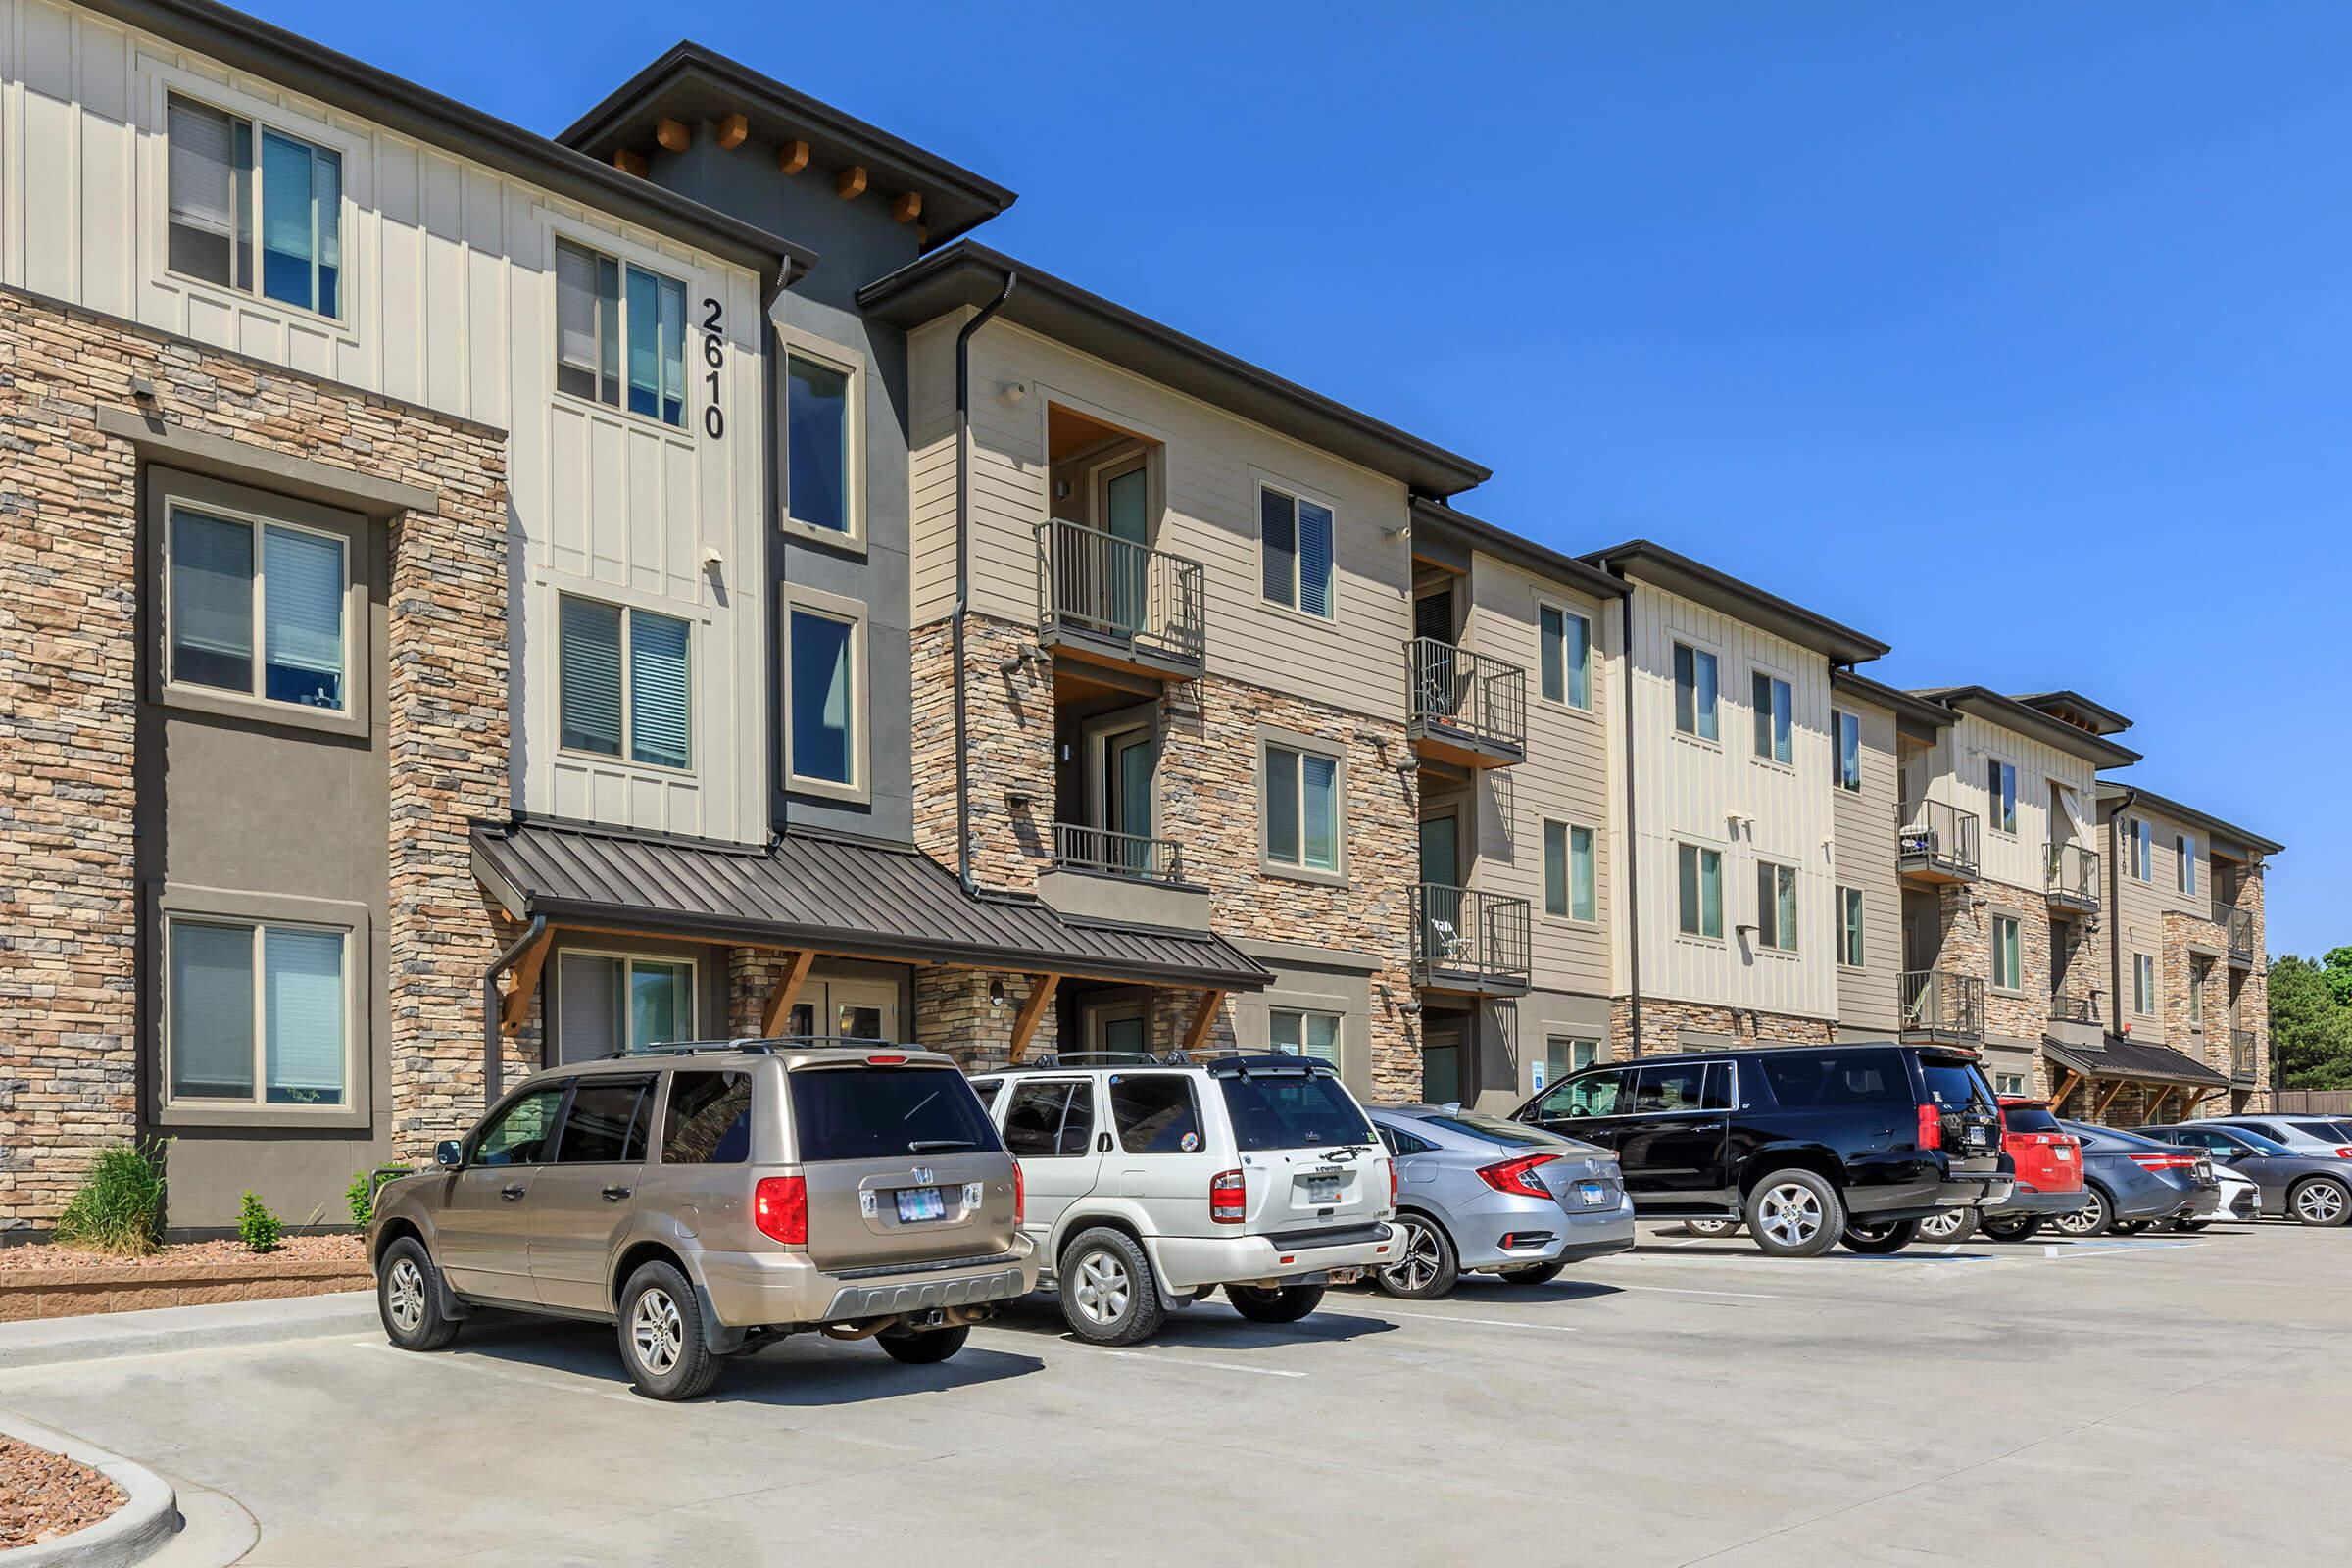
[1869,998]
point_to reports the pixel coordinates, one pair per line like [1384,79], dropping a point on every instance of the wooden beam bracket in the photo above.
[908,206]
[675,135]
[850,182]
[787,991]
[629,162]
[792,156]
[1033,1008]
[1204,1018]
[521,981]
[732,132]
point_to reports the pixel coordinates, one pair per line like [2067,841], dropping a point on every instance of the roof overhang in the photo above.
[2012,714]
[1644,561]
[692,83]
[1447,536]
[1917,715]
[248,43]
[2118,1058]
[968,274]
[2114,791]
[2076,710]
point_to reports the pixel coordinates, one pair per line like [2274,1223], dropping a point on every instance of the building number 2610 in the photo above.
[715,421]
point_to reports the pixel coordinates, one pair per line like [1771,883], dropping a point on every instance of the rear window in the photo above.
[1293,1111]
[885,1113]
[1954,1083]
[708,1122]
[1495,1129]
[1154,1114]
[1804,1080]
[2029,1119]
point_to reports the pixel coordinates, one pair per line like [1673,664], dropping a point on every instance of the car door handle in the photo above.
[510,1193]
[613,1194]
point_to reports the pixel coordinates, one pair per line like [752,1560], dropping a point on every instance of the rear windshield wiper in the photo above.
[924,1146]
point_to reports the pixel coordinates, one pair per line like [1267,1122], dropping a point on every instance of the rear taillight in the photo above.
[1930,1126]
[1020,1197]
[1391,1184]
[2165,1161]
[780,1209]
[1518,1175]
[1228,1203]
[885,1061]
[2344,1153]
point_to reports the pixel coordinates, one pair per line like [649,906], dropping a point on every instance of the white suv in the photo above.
[1150,1184]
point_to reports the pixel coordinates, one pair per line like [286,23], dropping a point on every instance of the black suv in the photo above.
[1806,1145]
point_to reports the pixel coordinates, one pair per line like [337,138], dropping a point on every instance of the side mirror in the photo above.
[449,1154]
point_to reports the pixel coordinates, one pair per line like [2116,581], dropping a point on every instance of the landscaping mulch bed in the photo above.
[293,1248]
[44,1495]
[53,1281]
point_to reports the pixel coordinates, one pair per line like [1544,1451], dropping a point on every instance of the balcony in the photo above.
[2237,926]
[2070,877]
[1944,1008]
[1099,874]
[2241,1056]
[1939,844]
[1116,603]
[1105,853]
[1470,942]
[1463,707]
[2074,1010]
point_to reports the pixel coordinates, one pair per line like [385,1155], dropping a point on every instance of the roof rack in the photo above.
[764,1045]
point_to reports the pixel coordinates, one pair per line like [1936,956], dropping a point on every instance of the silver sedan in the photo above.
[1478,1194]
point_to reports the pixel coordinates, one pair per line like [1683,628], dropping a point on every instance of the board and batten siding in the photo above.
[1960,766]
[1212,464]
[1721,797]
[449,304]
[1869,999]
[2138,922]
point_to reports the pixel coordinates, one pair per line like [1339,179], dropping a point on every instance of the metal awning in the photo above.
[2116,1057]
[830,896]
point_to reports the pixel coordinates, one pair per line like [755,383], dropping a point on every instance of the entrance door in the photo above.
[1441,1064]
[855,1010]
[1444,935]
[1129,761]
[1126,516]
[1120,1027]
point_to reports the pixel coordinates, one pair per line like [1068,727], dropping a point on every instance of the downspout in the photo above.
[1633,837]
[2115,908]
[494,1076]
[964,572]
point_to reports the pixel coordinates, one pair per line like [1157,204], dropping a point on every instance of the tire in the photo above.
[1425,1265]
[2129,1227]
[663,1338]
[2318,1201]
[2093,1220]
[1949,1228]
[926,1348]
[2191,1226]
[1280,1303]
[1532,1273]
[1876,1241]
[1711,1227]
[408,1298]
[2024,1229]
[1110,1295]
[1795,1213]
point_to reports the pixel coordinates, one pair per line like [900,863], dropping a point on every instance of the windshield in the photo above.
[885,1113]
[1293,1111]
[1954,1082]
[1495,1129]
[2029,1119]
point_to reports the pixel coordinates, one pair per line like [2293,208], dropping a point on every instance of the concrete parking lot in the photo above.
[2156,1398]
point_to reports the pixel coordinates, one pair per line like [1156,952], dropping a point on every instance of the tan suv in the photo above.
[710,1198]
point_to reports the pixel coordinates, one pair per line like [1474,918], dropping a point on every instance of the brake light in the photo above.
[1518,1175]
[780,1209]
[1930,1126]
[885,1061]
[1228,1203]
[2344,1153]
[1020,1197]
[1391,1184]
[2165,1161]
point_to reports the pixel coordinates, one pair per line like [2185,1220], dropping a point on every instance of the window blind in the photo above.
[1282,804]
[1581,898]
[588,676]
[203,166]
[303,1032]
[659,690]
[212,601]
[1278,547]
[575,315]
[1319,785]
[1314,559]
[674,351]
[302,634]
[212,1010]
[1323,1037]
[1555,868]
[587,1007]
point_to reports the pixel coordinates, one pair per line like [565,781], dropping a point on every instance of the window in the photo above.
[1776,906]
[1294,545]
[1770,696]
[1702,879]
[2144,984]
[2196,993]
[1565,656]
[2009,1083]
[1051,1120]
[606,1002]
[2008,969]
[2000,795]
[620,334]
[1803,1080]
[1402,1143]
[1682,1086]
[1154,1114]
[1594,1093]
[1568,889]
[256,1013]
[517,1135]
[1848,729]
[820,450]
[607,1122]
[1302,809]
[228,576]
[621,673]
[2185,855]
[1291,1110]
[708,1120]
[1849,927]
[1561,1055]
[1695,692]
[824,729]
[2140,850]
[885,1113]
[220,202]
[1296,1033]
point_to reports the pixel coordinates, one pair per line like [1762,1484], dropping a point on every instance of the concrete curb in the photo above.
[159,1331]
[149,1515]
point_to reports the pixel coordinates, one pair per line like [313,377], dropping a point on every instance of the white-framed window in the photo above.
[1776,906]
[1562,1054]
[1302,1032]
[2143,985]
[1565,656]
[613,1001]
[823,444]
[1302,807]
[1294,552]
[2008,957]
[1568,881]
[1700,885]
[624,682]
[256,1014]
[1695,692]
[2184,859]
[252,209]
[1775,717]
[620,334]
[1847,728]
[1849,927]
[233,576]
[2009,1083]
[825,724]
[2001,793]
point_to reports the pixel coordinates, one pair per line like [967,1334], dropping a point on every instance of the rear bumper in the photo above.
[1188,1263]
[1925,1200]
[1572,1233]
[2027,1202]
[775,1290]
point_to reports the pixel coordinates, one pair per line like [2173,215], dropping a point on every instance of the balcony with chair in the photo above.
[1469,942]
[2065,1008]
[2070,878]
[1942,1007]
[1113,601]
[1939,842]
[1464,707]
[2242,1059]
[2237,928]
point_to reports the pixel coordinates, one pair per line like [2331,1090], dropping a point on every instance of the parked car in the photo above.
[1151,1183]
[2309,1189]
[2305,1135]
[710,1198]
[2240,1201]
[2134,1182]
[1479,1195]
[2048,1162]
[1808,1146]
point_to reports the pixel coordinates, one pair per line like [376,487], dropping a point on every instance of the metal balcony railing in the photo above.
[2074,1010]
[1468,699]
[1938,841]
[1939,1004]
[1468,939]
[1137,599]
[2071,874]
[2239,924]
[1079,848]
[2242,1056]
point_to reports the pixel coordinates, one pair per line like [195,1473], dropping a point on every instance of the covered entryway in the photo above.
[2125,1083]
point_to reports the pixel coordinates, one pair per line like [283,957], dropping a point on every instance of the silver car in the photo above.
[2325,1137]
[1479,1195]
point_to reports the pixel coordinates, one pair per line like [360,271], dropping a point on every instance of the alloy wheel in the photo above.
[1103,1289]
[405,1297]
[1417,1265]
[2087,1220]
[2320,1204]
[1791,1214]
[1942,1227]
[657,1332]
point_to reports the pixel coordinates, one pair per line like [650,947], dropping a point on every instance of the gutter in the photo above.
[963,572]
[494,1067]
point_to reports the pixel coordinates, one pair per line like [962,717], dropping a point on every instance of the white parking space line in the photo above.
[2114,1249]
[1166,1358]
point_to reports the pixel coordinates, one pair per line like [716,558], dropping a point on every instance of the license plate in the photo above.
[1590,1193]
[2065,1152]
[920,1203]
[1322,1189]
[1979,1137]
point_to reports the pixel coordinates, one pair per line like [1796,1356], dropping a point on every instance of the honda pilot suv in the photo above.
[710,1198]
[1151,1183]
[1806,1146]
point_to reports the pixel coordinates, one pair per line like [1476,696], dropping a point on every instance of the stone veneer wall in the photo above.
[68,637]
[1662,1022]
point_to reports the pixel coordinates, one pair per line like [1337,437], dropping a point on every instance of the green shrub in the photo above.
[257,1227]
[119,1208]
[361,1195]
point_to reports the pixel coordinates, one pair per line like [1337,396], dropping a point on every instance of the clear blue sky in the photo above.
[2015,334]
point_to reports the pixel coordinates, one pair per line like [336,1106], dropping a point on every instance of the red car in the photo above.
[2049,1171]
